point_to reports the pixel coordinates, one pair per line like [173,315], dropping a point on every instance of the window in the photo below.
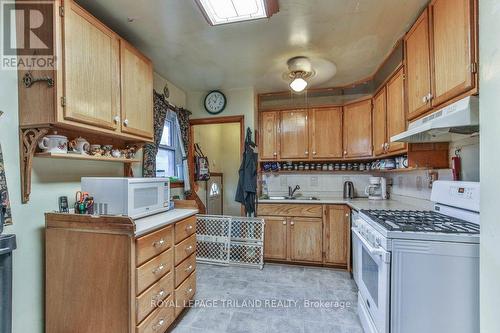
[169,155]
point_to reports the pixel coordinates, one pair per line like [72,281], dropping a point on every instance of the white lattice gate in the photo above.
[230,240]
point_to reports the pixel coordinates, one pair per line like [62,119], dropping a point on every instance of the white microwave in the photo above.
[133,197]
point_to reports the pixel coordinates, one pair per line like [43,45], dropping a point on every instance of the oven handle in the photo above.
[375,251]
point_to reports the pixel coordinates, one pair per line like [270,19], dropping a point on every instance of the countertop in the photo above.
[150,223]
[363,203]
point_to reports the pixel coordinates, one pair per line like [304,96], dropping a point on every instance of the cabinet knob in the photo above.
[125,122]
[284,222]
[116,119]
[314,153]
[189,268]
[275,154]
[159,243]
[345,152]
[306,152]
[425,99]
[292,223]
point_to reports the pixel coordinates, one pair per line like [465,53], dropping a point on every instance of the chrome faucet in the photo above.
[291,191]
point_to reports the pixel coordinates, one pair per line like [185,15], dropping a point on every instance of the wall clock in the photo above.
[215,102]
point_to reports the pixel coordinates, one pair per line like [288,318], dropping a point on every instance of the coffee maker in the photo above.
[377,189]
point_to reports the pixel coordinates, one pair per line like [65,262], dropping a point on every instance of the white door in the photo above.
[214,195]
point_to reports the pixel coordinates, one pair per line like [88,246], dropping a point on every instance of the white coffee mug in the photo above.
[57,144]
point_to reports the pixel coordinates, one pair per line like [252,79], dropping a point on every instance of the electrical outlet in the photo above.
[400,182]
[314,181]
[345,178]
[419,183]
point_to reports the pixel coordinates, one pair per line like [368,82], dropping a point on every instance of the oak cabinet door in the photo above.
[326,133]
[396,116]
[269,127]
[275,237]
[91,69]
[306,239]
[379,122]
[453,54]
[357,124]
[137,92]
[337,235]
[294,135]
[418,68]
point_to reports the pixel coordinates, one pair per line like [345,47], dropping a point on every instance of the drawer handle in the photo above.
[159,269]
[189,228]
[159,243]
[159,324]
[189,291]
[189,268]
[159,296]
[189,248]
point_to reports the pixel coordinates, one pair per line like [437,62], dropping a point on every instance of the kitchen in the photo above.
[388,107]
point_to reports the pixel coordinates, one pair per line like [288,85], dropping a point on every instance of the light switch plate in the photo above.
[314,181]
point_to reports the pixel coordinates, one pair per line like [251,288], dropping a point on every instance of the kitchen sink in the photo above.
[292,198]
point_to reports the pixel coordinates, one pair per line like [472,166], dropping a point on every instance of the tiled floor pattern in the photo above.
[279,298]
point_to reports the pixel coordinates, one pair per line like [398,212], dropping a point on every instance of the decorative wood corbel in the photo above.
[29,138]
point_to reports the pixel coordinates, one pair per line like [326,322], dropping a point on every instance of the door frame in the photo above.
[211,121]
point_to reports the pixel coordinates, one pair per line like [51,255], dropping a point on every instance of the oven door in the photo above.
[147,198]
[374,282]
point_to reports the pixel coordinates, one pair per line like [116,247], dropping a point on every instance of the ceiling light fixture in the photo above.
[229,11]
[300,70]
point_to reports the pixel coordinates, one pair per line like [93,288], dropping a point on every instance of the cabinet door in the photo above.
[418,68]
[294,135]
[269,135]
[358,129]
[275,237]
[306,239]
[396,116]
[453,54]
[337,235]
[379,122]
[137,92]
[326,133]
[91,69]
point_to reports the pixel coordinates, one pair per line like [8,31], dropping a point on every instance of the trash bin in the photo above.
[7,245]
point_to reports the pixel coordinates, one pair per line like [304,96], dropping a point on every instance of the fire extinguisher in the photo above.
[456,165]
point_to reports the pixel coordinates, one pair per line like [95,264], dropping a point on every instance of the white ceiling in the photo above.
[354,34]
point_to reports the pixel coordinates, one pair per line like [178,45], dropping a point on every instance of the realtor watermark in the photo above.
[255,303]
[27,35]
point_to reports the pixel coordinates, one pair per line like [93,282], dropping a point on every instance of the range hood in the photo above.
[461,117]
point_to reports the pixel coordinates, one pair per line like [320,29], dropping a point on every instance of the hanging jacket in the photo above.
[246,191]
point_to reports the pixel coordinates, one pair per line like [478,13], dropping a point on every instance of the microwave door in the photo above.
[374,282]
[144,199]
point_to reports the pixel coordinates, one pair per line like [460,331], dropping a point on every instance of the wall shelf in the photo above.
[70,156]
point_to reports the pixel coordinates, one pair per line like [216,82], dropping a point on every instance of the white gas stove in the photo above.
[404,263]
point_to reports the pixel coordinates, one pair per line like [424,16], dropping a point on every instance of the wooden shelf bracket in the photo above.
[29,138]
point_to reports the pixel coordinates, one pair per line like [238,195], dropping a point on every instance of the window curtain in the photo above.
[182,123]
[150,150]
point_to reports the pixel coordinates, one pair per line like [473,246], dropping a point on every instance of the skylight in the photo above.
[229,11]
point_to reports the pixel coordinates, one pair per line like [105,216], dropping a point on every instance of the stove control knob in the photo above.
[377,241]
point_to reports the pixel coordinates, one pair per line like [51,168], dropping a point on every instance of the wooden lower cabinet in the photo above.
[101,277]
[306,239]
[336,235]
[321,236]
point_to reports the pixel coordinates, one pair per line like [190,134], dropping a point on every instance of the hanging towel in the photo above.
[246,191]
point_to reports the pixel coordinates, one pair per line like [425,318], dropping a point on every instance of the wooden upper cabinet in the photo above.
[357,129]
[418,68]
[294,135]
[336,239]
[325,133]
[306,239]
[91,70]
[396,115]
[269,128]
[275,237]
[453,48]
[136,92]
[379,122]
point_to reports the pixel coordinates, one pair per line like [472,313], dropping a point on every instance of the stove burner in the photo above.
[420,221]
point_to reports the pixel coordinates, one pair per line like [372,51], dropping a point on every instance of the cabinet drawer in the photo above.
[184,293]
[153,244]
[159,320]
[184,269]
[153,270]
[151,298]
[302,210]
[184,229]
[184,249]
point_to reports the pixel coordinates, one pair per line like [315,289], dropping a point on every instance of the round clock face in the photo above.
[215,102]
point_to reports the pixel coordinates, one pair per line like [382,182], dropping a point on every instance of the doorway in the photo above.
[221,139]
